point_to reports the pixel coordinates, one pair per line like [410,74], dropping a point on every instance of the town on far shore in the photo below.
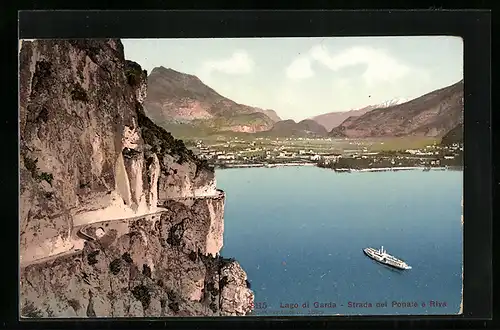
[338,154]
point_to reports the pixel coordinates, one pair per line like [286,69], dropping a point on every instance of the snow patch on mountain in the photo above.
[392,102]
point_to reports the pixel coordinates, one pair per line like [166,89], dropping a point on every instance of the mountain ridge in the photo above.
[176,97]
[433,114]
[332,119]
[291,128]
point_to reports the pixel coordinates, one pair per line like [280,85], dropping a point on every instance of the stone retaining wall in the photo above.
[201,219]
[197,222]
[190,200]
[117,227]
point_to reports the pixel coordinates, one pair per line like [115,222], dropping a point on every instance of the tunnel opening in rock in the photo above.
[99,232]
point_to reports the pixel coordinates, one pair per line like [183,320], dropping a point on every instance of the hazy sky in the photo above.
[304,77]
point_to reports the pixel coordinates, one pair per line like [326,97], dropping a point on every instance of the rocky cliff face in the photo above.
[150,271]
[89,153]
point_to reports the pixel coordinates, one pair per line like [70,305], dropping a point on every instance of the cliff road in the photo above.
[117,217]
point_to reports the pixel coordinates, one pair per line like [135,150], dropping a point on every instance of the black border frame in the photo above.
[473,26]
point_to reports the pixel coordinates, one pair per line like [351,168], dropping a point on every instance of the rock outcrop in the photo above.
[89,153]
[149,272]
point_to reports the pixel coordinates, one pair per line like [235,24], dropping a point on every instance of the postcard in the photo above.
[241,177]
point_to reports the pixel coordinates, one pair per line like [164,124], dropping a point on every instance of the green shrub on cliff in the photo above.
[31,166]
[46,176]
[143,294]
[146,270]
[75,304]
[134,73]
[162,142]
[127,258]
[79,94]
[115,266]
[92,257]
[29,310]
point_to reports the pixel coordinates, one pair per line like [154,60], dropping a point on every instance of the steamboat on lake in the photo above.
[385,258]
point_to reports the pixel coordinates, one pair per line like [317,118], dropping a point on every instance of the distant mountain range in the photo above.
[433,114]
[333,119]
[177,98]
[179,101]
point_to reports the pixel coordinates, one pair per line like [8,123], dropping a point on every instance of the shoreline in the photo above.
[344,170]
[392,169]
[263,165]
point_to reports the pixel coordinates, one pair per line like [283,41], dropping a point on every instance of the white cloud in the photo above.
[380,66]
[299,69]
[238,63]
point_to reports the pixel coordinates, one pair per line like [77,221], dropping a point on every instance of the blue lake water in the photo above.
[299,233]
